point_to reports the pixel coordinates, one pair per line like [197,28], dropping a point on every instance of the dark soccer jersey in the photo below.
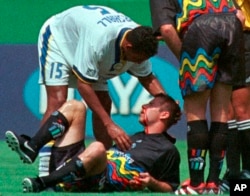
[156,154]
[153,153]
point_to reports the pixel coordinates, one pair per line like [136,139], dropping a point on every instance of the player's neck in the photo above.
[155,128]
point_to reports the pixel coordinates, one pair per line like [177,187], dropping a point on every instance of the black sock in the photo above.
[197,139]
[66,173]
[54,127]
[244,135]
[233,151]
[218,142]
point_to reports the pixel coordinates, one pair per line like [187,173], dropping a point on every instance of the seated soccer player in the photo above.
[151,163]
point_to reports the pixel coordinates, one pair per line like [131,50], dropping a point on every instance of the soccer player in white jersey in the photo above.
[85,46]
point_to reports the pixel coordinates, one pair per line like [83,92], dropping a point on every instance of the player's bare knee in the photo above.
[98,147]
[76,105]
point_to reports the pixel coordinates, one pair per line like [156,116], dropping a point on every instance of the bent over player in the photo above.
[83,47]
[152,162]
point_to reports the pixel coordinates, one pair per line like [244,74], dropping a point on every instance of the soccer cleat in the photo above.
[224,183]
[21,146]
[187,189]
[213,189]
[245,174]
[224,186]
[32,185]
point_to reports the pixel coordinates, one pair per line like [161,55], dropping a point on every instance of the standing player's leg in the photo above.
[233,147]
[242,110]
[219,107]
[197,137]
[244,122]
[56,97]
[241,106]
[195,106]
[54,72]
[100,132]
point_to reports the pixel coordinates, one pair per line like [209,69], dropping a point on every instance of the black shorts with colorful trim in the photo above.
[212,51]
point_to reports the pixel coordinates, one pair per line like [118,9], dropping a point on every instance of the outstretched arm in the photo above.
[151,84]
[171,38]
[116,133]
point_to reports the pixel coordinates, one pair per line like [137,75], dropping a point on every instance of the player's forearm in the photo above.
[159,186]
[152,85]
[90,97]
[171,37]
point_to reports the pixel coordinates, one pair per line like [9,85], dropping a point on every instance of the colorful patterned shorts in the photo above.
[212,51]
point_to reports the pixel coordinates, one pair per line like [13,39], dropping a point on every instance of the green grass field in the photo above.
[12,171]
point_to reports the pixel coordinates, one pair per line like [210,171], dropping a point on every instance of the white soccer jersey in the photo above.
[89,39]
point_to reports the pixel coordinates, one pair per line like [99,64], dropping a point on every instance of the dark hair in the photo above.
[169,104]
[143,40]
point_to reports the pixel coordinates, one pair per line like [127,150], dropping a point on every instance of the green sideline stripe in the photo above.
[21,20]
